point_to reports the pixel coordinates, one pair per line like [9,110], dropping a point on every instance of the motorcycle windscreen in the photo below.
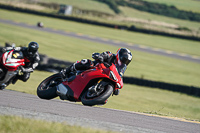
[121,69]
[17,55]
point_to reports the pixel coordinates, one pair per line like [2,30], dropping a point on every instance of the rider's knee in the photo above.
[84,64]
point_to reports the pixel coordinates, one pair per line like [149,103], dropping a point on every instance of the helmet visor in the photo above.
[121,69]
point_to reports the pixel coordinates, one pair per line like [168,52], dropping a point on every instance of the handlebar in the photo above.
[106,64]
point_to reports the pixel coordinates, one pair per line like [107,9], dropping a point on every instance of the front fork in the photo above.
[93,89]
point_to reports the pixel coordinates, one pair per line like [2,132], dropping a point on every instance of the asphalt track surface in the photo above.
[138,47]
[18,103]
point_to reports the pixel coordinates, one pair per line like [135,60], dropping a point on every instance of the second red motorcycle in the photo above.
[10,63]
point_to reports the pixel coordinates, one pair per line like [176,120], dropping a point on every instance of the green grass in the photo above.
[156,101]
[13,124]
[85,4]
[31,85]
[188,5]
[144,65]
[129,12]
[174,44]
[82,4]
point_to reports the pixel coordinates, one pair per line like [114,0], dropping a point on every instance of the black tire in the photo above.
[98,100]
[47,89]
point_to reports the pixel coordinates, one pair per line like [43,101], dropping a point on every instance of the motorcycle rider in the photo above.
[31,57]
[121,59]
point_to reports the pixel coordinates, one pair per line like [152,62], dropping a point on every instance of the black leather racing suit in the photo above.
[85,64]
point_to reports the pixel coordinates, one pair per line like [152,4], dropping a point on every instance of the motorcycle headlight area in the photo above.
[112,76]
[118,86]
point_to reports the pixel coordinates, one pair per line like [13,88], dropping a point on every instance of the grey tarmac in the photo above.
[27,105]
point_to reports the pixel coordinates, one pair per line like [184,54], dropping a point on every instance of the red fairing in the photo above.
[10,61]
[119,79]
[99,71]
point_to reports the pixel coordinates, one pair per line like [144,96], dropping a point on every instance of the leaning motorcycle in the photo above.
[10,63]
[91,87]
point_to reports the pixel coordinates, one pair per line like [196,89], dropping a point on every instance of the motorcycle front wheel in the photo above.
[98,98]
[47,88]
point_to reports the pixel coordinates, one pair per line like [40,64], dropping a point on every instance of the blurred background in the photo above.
[163,36]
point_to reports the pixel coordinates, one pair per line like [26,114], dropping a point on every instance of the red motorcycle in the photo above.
[91,87]
[10,64]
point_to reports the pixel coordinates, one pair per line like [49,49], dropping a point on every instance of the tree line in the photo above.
[156,8]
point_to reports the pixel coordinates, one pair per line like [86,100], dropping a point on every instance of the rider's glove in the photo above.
[97,57]
[26,70]
[3,50]
[62,73]
[18,48]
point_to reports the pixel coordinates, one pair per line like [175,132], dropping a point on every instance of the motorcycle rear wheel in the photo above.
[97,100]
[47,88]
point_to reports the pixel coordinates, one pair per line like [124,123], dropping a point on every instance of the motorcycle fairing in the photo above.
[65,92]
[81,80]
[12,60]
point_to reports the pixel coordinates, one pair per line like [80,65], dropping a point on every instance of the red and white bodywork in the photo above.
[10,61]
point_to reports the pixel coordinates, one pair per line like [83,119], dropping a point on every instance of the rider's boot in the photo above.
[14,80]
[82,65]
[1,70]
[116,92]
[3,86]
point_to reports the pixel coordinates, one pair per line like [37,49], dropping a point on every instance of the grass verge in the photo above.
[13,124]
